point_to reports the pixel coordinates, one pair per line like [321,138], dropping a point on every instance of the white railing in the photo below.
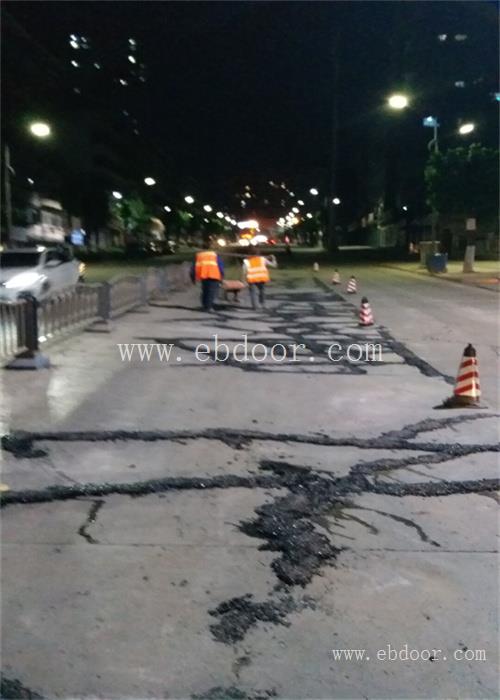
[27,322]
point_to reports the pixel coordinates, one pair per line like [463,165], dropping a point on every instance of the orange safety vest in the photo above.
[206,266]
[257,270]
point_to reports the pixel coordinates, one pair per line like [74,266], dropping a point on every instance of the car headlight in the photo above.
[24,279]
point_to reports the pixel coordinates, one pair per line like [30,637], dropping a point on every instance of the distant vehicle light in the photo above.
[251,223]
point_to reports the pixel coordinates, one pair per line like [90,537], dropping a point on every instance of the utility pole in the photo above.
[332,238]
[8,195]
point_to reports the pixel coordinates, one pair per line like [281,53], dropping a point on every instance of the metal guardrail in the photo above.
[12,329]
[27,322]
[68,311]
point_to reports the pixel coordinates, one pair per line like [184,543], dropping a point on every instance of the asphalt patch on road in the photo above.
[233,693]
[11,689]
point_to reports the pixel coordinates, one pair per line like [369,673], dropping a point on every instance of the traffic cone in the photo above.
[316,267]
[467,391]
[336,277]
[352,287]
[365,313]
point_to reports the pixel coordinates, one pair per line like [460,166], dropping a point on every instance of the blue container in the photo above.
[437,262]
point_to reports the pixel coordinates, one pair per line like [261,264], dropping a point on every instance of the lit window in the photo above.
[460,37]
[75,64]
[442,37]
[459,83]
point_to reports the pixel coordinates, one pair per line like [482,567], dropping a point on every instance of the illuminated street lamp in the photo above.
[117,195]
[466,128]
[167,208]
[220,215]
[295,210]
[188,199]
[149,181]
[207,208]
[313,191]
[40,129]
[300,202]
[336,201]
[398,101]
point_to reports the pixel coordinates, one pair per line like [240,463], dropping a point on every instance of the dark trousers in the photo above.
[254,288]
[209,289]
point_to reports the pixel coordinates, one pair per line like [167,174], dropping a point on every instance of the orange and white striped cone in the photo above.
[365,313]
[467,390]
[336,277]
[352,287]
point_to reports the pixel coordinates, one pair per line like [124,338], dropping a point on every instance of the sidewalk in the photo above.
[485,276]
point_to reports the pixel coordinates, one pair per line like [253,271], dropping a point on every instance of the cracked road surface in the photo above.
[214,530]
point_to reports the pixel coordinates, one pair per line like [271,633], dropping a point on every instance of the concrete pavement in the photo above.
[190,529]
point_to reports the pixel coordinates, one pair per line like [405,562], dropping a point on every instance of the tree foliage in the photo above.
[463,181]
[133,216]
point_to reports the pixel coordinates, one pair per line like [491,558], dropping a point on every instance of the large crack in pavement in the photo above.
[22,443]
[288,525]
[284,320]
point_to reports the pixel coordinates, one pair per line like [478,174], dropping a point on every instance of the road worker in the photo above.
[208,269]
[255,269]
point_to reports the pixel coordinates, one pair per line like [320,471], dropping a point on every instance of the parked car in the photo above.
[39,271]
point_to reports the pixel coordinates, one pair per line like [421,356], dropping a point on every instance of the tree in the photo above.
[134,217]
[463,181]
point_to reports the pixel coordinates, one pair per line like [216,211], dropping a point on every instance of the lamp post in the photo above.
[432,123]
[40,130]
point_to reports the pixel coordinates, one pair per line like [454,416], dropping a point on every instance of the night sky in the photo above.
[245,89]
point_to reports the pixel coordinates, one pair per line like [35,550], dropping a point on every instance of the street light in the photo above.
[188,199]
[313,191]
[466,128]
[117,195]
[300,202]
[336,201]
[207,208]
[149,181]
[40,129]
[398,101]
[167,208]
[220,215]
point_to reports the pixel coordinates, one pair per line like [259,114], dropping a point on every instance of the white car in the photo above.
[41,272]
